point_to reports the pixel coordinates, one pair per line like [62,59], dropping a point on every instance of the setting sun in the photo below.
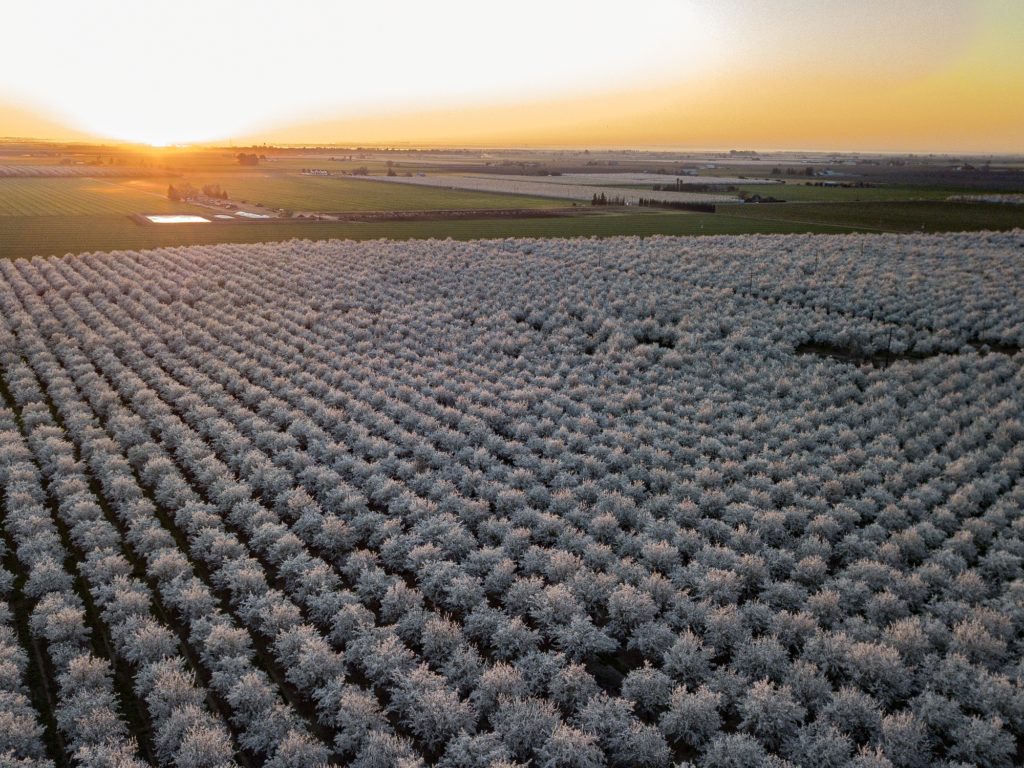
[667,73]
[210,72]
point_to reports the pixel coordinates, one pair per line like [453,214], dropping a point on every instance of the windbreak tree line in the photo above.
[519,502]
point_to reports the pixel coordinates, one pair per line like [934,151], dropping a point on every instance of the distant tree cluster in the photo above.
[805,171]
[181,191]
[756,197]
[677,186]
[601,198]
[676,205]
[248,158]
[215,191]
[185,191]
[326,503]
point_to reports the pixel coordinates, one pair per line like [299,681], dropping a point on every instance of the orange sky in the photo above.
[886,75]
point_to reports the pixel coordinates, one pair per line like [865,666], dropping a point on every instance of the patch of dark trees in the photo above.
[662,338]
[600,198]
[883,358]
[805,171]
[681,186]
[186,191]
[676,205]
[753,197]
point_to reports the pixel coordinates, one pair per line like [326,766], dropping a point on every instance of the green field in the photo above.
[71,215]
[83,197]
[886,217]
[296,192]
[795,192]
[48,235]
[88,196]
[57,235]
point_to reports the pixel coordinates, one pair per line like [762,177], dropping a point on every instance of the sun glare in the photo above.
[262,69]
[666,73]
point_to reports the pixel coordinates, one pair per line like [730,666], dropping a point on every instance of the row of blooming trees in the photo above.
[529,502]
[185,734]
[21,733]
[89,723]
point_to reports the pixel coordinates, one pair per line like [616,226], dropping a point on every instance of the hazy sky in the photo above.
[843,74]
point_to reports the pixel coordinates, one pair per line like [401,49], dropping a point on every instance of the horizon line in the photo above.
[470,146]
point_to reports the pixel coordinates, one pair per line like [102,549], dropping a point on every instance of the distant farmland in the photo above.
[296,192]
[83,197]
[528,185]
[902,216]
[57,235]
[66,171]
[54,215]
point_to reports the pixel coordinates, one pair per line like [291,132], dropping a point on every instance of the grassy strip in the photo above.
[909,216]
[84,197]
[318,193]
[796,192]
[26,236]
[58,235]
